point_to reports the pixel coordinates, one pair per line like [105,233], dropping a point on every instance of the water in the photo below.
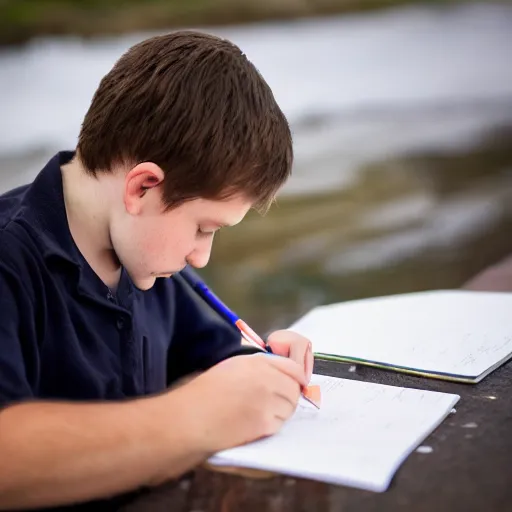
[403,165]
[355,88]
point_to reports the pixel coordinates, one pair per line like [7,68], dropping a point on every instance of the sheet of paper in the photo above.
[454,332]
[359,437]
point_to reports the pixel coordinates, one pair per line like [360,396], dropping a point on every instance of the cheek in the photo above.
[167,248]
[153,247]
[143,245]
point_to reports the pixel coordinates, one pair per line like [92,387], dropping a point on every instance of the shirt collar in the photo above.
[44,211]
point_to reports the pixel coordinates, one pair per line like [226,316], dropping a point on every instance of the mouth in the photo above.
[162,274]
[167,274]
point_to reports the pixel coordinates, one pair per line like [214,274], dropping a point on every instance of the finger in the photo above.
[299,352]
[309,362]
[287,388]
[284,407]
[289,344]
[288,367]
[279,342]
[272,426]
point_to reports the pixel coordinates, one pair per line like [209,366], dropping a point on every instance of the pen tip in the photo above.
[313,395]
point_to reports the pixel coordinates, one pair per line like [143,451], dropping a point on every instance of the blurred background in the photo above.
[402,121]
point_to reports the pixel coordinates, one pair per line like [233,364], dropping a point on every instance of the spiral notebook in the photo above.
[452,335]
[359,438]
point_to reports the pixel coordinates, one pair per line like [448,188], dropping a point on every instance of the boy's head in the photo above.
[198,139]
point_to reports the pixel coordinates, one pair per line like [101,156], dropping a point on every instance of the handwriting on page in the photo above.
[356,408]
[359,436]
[452,332]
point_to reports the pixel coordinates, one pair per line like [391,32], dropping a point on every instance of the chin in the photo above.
[145,284]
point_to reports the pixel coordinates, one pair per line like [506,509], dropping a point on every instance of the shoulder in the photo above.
[14,240]
[20,260]
[11,204]
[15,251]
[19,247]
[18,292]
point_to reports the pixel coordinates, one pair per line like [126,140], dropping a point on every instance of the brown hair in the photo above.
[197,107]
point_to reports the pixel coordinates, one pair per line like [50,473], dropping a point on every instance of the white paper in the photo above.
[455,332]
[359,437]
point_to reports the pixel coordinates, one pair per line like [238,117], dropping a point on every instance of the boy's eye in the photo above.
[204,233]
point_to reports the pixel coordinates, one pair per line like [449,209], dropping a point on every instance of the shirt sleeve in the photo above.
[202,338]
[15,337]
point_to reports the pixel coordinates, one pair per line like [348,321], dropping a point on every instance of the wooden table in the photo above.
[469,469]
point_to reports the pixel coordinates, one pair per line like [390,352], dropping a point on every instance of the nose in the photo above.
[200,256]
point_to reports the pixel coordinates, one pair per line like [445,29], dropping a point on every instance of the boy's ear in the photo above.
[138,181]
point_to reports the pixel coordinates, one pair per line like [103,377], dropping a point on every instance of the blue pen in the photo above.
[200,287]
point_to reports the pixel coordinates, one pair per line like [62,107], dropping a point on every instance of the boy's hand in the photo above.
[296,347]
[241,399]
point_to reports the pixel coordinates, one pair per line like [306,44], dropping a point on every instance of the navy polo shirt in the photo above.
[63,335]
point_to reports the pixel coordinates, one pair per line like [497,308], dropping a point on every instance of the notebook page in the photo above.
[455,332]
[359,437]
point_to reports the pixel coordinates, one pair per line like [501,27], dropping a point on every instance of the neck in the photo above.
[88,199]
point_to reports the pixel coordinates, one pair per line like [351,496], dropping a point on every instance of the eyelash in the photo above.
[204,234]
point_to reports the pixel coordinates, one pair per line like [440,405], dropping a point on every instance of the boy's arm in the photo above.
[61,453]
[56,453]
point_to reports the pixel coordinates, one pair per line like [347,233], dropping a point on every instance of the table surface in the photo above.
[470,467]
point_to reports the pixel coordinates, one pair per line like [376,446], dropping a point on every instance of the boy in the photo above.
[183,136]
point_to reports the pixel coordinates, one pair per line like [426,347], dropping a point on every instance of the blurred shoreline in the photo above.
[402,125]
[21,21]
[425,220]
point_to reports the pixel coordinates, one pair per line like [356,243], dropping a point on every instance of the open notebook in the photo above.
[359,437]
[447,334]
